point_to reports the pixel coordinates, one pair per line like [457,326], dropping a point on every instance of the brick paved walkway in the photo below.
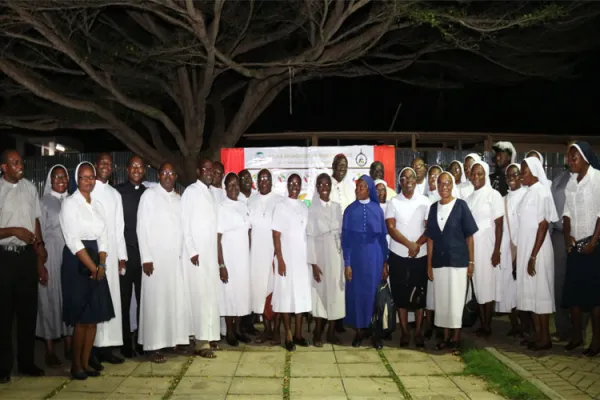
[268,373]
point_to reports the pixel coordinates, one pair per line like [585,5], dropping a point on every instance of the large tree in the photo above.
[173,79]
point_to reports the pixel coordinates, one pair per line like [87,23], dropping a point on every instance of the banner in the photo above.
[307,162]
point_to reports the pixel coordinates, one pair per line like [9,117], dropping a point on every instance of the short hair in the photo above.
[104,153]
[4,155]
[132,157]
[230,176]
[202,161]
[323,176]
[264,171]
[244,171]
[219,163]
[338,158]
[164,164]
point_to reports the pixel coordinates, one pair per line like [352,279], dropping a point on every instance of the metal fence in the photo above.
[36,168]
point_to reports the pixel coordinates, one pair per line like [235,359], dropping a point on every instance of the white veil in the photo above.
[486,169]
[48,184]
[537,170]
[462,170]
[454,188]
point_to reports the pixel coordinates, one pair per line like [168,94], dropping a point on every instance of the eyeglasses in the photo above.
[167,173]
[59,177]
[87,178]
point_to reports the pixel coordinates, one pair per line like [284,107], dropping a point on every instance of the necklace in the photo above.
[266,201]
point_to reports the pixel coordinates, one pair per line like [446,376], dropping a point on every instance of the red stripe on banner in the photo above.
[387,156]
[233,160]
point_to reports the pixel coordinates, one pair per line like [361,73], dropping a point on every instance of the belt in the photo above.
[14,248]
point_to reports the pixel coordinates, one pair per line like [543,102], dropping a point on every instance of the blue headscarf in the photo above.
[365,218]
[586,150]
[371,186]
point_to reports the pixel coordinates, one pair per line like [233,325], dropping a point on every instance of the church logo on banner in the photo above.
[361,159]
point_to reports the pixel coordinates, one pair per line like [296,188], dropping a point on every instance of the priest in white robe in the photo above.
[110,333]
[342,191]
[164,309]
[199,220]
[246,186]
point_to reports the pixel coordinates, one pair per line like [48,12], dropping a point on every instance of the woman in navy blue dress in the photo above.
[365,256]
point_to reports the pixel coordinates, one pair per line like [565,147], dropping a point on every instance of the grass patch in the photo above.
[287,373]
[178,378]
[393,375]
[500,378]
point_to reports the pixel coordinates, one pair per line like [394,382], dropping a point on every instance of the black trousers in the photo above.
[18,300]
[131,279]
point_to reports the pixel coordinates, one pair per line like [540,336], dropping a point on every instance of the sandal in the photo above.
[442,345]
[158,358]
[214,346]
[205,353]
[456,350]
[181,350]
[317,342]
[263,338]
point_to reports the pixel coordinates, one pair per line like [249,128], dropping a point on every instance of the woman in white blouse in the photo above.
[233,240]
[50,325]
[535,256]
[581,228]
[432,174]
[86,296]
[405,218]
[466,187]
[487,208]
[457,170]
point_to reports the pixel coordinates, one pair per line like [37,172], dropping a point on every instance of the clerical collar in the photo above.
[367,201]
[324,203]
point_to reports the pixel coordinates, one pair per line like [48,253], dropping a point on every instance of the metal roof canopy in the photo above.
[443,140]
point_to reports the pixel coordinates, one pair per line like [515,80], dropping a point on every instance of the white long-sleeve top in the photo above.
[582,204]
[112,204]
[80,220]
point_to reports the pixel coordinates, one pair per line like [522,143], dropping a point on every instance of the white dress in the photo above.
[110,333]
[218,194]
[292,292]
[342,193]
[164,307]
[535,293]
[465,189]
[260,208]
[486,205]
[234,226]
[507,285]
[324,249]
[50,323]
[199,221]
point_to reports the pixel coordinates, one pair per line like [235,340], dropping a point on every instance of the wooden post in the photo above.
[413,142]
[315,140]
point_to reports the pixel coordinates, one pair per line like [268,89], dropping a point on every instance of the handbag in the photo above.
[471,308]
[513,247]
[580,244]
[417,297]
[384,314]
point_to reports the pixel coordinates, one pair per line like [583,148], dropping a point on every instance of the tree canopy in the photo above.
[173,79]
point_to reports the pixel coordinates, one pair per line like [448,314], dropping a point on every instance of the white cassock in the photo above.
[261,209]
[110,333]
[421,187]
[234,226]
[486,205]
[218,194]
[199,221]
[535,293]
[244,199]
[292,292]
[324,250]
[164,309]
[505,281]
[342,193]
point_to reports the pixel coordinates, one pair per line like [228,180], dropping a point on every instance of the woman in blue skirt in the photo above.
[86,296]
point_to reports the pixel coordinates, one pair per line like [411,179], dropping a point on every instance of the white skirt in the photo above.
[450,285]
[508,286]
[430,305]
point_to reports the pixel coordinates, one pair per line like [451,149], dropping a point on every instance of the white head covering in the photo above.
[319,226]
[48,184]
[486,169]
[506,147]
[400,176]
[474,156]
[454,188]
[427,191]
[538,154]
[537,170]
[462,170]
[77,171]
[378,181]
[512,165]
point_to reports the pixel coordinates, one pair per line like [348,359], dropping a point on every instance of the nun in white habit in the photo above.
[457,169]
[506,282]
[325,255]
[465,188]
[431,191]
[50,325]
[164,307]
[233,240]
[539,156]
[487,207]
[292,286]
[535,256]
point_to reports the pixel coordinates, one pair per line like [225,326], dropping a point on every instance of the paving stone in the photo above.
[351,357]
[147,385]
[329,370]
[124,369]
[418,368]
[312,349]
[256,386]
[45,384]
[363,370]
[369,386]
[440,394]
[407,356]
[201,386]
[264,364]
[469,383]
[79,396]
[427,382]
[212,369]
[484,396]
[316,387]
[313,358]
[380,396]
[13,394]
[134,396]
[102,384]
[171,368]
[253,397]
[451,367]
[585,383]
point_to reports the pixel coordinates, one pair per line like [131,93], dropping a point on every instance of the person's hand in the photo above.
[413,249]
[123,267]
[101,273]
[24,234]
[589,248]
[430,273]
[470,270]
[569,243]
[42,272]
[148,268]
[348,273]
[386,271]
[194,260]
[317,273]
[531,267]
[281,267]
[495,258]
[41,252]
[223,274]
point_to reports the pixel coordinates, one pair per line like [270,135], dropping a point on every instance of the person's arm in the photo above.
[499,230]
[430,259]
[539,238]
[120,224]
[471,249]
[569,240]
[396,234]
[223,273]
[187,220]
[68,223]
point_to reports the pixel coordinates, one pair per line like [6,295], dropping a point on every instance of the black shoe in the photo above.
[377,343]
[233,342]
[243,338]
[339,326]
[92,373]
[111,359]
[94,363]
[301,342]
[573,345]
[32,370]
[357,341]
[589,352]
[79,375]
[290,346]
[128,353]
[4,379]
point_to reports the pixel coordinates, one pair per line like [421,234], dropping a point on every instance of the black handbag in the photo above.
[580,244]
[417,297]
[471,308]
[384,315]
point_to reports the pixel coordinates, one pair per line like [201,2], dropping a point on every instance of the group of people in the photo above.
[202,265]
